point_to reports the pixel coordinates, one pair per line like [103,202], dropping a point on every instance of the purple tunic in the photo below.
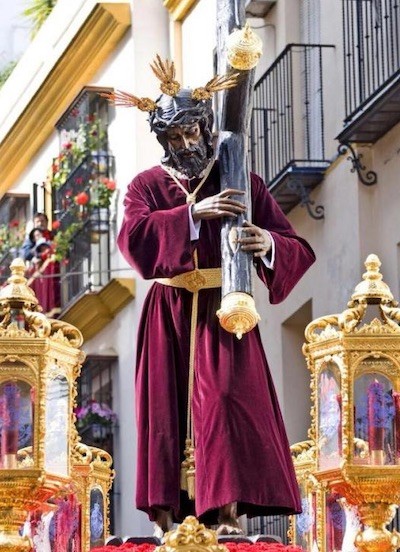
[242,452]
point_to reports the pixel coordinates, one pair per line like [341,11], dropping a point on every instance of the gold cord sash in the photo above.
[193,281]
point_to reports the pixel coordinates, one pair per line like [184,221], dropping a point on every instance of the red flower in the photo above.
[13,223]
[56,224]
[82,198]
[110,185]
[68,145]
[79,180]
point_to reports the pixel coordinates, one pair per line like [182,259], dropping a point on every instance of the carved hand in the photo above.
[256,240]
[218,206]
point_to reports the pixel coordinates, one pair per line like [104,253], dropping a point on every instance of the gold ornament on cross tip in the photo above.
[244,48]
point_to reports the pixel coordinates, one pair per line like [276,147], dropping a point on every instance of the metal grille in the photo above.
[269,525]
[371,49]
[289,96]
[88,264]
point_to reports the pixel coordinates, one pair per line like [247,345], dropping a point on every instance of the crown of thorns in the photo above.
[165,72]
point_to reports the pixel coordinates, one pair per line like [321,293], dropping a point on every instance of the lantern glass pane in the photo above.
[329,417]
[335,523]
[374,414]
[96,518]
[305,520]
[57,425]
[16,425]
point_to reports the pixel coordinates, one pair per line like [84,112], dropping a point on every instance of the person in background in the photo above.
[40,222]
[43,272]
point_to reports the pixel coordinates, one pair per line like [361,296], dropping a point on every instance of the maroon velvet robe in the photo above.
[242,452]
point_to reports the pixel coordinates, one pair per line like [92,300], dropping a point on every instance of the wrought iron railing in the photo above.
[371,36]
[87,267]
[269,525]
[87,263]
[287,127]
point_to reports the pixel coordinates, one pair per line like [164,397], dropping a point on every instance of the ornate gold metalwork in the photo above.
[238,313]
[342,343]
[16,291]
[195,280]
[191,536]
[165,72]
[244,48]
[39,351]
[92,469]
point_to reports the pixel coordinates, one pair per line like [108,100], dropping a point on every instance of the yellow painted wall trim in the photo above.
[179,9]
[93,311]
[96,39]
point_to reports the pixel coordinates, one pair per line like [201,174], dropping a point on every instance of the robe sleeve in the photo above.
[156,243]
[293,255]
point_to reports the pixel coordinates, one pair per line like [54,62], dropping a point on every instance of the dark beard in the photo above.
[189,161]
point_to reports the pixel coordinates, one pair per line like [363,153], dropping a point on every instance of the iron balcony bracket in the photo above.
[368,178]
[298,188]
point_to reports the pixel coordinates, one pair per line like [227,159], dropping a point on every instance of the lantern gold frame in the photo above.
[357,347]
[92,470]
[34,351]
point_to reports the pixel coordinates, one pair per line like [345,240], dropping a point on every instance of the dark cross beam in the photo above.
[234,115]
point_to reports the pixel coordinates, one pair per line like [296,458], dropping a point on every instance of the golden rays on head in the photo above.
[165,72]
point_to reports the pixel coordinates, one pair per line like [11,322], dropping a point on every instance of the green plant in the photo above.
[11,235]
[38,11]
[95,413]
[92,134]
[63,239]
[6,72]
[90,137]
[101,191]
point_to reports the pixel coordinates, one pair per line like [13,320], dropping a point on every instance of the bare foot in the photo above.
[227,529]
[228,521]
[163,523]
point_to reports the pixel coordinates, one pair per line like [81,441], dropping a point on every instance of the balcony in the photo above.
[371,68]
[287,129]
[90,297]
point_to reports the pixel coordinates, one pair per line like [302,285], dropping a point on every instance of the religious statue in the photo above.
[211,439]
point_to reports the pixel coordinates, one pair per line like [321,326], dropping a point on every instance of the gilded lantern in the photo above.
[93,477]
[39,363]
[354,359]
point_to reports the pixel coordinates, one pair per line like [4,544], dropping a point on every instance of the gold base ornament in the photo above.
[14,542]
[191,536]
[375,537]
[238,313]
[11,520]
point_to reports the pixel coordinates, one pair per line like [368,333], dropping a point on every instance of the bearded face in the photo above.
[187,150]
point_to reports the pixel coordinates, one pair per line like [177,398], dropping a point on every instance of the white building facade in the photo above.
[307,96]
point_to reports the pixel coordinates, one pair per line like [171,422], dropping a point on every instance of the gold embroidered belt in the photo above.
[193,281]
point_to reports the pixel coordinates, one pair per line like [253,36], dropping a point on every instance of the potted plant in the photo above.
[99,417]
[11,237]
[101,192]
